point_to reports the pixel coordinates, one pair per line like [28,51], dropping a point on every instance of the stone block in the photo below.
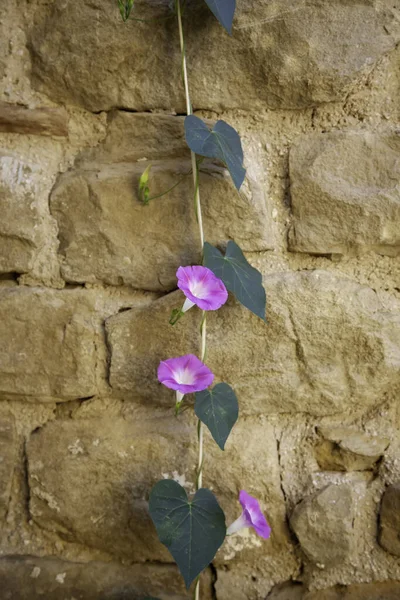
[330,346]
[324,525]
[346,449]
[281,54]
[106,234]
[37,121]
[28,233]
[90,480]
[47,343]
[34,578]
[344,193]
[389,520]
[389,590]
[8,459]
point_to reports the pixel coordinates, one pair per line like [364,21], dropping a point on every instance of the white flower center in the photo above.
[198,289]
[184,377]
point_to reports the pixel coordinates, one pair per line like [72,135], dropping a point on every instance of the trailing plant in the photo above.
[193,529]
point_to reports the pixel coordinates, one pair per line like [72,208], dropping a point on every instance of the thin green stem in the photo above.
[195,171]
[198,163]
[189,112]
[169,189]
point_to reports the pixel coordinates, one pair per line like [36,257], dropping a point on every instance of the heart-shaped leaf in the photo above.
[218,409]
[222,142]
[191,530]
[238,275]
[224,11]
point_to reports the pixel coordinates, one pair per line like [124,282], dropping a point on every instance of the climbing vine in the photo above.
[193,529]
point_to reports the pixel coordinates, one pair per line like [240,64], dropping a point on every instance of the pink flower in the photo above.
[201,287]
[185,374]
[251,516]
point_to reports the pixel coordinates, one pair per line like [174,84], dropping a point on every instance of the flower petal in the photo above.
[202,287]
[254,515]
[185,374]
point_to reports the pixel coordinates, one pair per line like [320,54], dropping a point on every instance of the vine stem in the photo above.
[203,329]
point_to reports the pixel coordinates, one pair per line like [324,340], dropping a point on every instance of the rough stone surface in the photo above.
[333,542]
[367,591]
[8,458]
[90,481]
[122,241]
[48,343]
[34,578]
[39,121]
[26,229]
[135,137]
[313,89]
[287,591]
[389,516]
[345,449]
[281,54]
[302,360]
[344,193]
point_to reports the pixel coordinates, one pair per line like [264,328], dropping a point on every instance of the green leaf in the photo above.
[238,275]
[218,409]
[222,142]
[191,530]
[224,11]
[125,7]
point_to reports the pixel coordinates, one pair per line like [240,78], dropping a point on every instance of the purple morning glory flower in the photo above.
[201,287]
[251,516]
[185,374]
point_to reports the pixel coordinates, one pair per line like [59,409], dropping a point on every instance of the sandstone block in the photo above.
[345,449]
[389,590]
[288,591]
[8,458]
[389,537]
[345,193]
[34,578]
[107,234]
[27,231]
[47,343]
[281,54]
[90,480]
[134,137]
[330,345]
[323,524]
[38,121]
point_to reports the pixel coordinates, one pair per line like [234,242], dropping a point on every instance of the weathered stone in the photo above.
[135,137]
[47,343]
[389,536]
[27,231]
[323,524]
[38,121]
[106,234]
[34,578]
[90,481]
[345,194]
[368,591]
[303,359]
[295,591]
[345,449]
[8,458]
[280,54]
[288,591]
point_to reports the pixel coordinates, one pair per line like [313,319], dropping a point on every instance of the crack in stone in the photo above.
[300,353]
[214,578]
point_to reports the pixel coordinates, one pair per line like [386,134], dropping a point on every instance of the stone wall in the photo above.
[87,283]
